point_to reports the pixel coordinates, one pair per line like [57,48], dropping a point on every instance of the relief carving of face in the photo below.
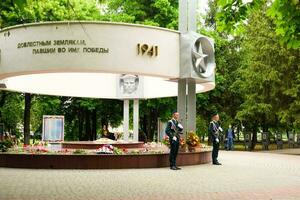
[129,83]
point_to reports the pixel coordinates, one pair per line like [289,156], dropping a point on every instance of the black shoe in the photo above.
[177,168]
[173,168]
[216,163]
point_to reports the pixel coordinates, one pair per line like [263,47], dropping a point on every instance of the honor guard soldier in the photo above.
[173,131]
[214,132]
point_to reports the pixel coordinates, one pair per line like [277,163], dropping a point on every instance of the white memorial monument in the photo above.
[111,60]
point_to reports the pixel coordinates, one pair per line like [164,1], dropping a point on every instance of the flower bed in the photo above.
[148,148]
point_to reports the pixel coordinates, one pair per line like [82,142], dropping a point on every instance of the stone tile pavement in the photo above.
[243,175]
[294,151]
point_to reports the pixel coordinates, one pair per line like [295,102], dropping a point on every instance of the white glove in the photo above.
[220,129]
[174,138]
[180,126]
[217,140]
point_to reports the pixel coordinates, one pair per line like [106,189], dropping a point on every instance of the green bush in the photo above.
[5,145]
[80,152]
[118,151]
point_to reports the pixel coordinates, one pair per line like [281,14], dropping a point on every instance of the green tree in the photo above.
[27,109]
[11,109]
[222,99]
[86,117]
[286,15]
[153,109]
[163,13]
[233,14]
[44,105]
[28,11]
[266,77]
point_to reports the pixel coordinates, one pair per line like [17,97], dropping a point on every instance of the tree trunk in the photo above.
[2,101]
[94,125]
[80,124]
[264,124]
[104,122]
[148,129]
[27,118]
[144,125]
[87,125]
[254,138]
[238,133]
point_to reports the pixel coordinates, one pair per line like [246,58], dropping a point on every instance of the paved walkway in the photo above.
[243,175]
[295,151]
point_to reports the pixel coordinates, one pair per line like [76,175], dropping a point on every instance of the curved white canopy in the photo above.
[94,85]
[86,59]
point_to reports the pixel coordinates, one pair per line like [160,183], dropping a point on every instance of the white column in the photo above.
[183,16]
[181,102]
[187,15]
[136,120]
[181,98]
[191,105]
[192,22]
[126,119]
[187,22]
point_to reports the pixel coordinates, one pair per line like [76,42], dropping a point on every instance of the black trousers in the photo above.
[215,151]
[174,146]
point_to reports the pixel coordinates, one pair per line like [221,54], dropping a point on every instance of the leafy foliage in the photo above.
[19,12]
[233,15]
[163,13]
[286,15]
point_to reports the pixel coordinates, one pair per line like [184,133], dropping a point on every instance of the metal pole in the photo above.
[181,102]
[191,105]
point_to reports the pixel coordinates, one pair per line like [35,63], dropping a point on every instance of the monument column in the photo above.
[191,105]
[126,119]
[187,22]
[135,120]
[181,103]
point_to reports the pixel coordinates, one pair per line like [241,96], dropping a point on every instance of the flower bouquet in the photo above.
[181,142]
[166,141]
[192,140]
[105,149]
[182,145]
[155,148]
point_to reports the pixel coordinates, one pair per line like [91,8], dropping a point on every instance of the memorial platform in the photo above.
[56,161]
